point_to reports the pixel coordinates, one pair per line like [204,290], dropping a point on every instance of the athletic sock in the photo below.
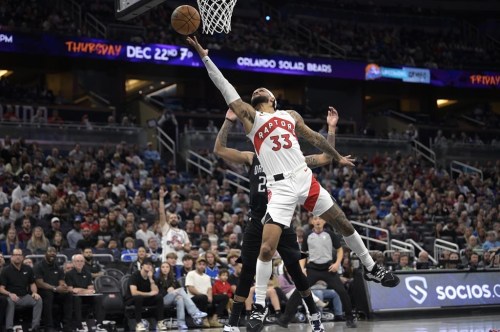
[277,312]
[262,275]
[234,319]
[356,244]
[311,306]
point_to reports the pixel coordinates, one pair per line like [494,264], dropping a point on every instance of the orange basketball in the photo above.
[185,20]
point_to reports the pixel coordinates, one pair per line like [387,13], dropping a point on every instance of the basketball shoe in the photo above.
[256,321]
[315,321]
[381,275]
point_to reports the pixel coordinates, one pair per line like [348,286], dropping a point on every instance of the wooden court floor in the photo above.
[449,323]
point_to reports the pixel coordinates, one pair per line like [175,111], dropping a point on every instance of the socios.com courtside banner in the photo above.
[436,290]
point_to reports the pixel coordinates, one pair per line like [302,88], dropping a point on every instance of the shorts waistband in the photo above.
[285,175]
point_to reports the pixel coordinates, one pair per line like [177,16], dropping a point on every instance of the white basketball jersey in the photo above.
[275,143]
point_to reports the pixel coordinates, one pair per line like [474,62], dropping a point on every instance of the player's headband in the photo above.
[275,103]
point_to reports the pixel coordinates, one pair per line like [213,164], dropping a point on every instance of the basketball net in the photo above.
[216,15]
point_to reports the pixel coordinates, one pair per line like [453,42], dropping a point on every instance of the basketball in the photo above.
[185,20]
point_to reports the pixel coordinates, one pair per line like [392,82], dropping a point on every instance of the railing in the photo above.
[442,245]
[95,27]
[402,115]
[196,160]
[365,234]
[75,11]
[424,151]
[403,246]
[240,178]
[103,258]
[416,245]
[459,167]
[166,142]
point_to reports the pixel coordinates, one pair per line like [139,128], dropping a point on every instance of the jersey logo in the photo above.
[268,127]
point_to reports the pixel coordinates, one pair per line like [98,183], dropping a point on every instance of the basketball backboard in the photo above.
[128,9]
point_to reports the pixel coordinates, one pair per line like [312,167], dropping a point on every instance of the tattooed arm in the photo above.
[318,140]
[221,149]
[323,159]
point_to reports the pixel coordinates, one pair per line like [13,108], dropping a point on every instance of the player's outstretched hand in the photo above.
[347,161]
[333,117]
[193,41]
[231,116]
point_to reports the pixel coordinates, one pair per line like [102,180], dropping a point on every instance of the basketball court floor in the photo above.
[449,323]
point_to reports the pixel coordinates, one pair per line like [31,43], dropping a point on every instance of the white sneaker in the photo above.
[100,328]
[199,314]
[315,321]
[142,326]
[228,328]
[162,325]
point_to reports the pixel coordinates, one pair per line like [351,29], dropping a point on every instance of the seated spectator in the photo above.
[143,291]
[491,242]
[232,259]
[404,262]
[199,288]
[423,261]
[141,256]
[38,243]
[213,264]
[144,233]
[187,266]
[58,242]
[453,262]
[473,262]
[17,283]
[154,251]
[172,292]
[91,264]
[25,234]
[271,294]
[221,285]
[88,240]
[75,234]
[11,242]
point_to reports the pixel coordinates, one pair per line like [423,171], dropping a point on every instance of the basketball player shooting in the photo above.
[289,180]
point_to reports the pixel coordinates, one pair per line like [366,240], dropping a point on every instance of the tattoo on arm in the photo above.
[311,161]
[331,139]
[223,133]
[321,143]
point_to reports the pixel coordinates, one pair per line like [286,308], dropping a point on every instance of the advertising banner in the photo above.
[436,290]
[174,55]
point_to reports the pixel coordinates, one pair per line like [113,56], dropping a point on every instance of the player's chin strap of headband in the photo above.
[275,103]
[228,91]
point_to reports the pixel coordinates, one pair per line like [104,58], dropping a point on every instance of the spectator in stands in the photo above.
[58,242]
[232,260]
[55,118]
[17,282]
[29,262]
[323,263]
[150,154]
[154,251]
[11,242]
[199,287]
[398,227]
[404,262]
[423,262]
[473,263]
[38,243]
[75,234]
[171,258]
[214,264]
[172,292]
[491,242]
[90,222]
[22,189]
[472,243]
[143,291]
[53,289]
[128,231]
[31,199]
[173,238]
[88,240]
[55,226]
[91,264]
[5,220]
[79,281]
[205,245]
[129,252]
[144,233]
[187,266]
[25,234]
[141,256]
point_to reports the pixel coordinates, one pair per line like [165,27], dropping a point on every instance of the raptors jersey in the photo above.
[273,137]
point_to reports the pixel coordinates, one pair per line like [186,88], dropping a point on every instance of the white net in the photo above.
[216,15]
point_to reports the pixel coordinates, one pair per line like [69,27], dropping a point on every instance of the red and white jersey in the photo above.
[274,140]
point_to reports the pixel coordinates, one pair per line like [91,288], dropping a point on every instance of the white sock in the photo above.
[356,244]
[262,275]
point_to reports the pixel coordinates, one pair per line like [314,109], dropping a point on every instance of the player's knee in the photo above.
[266,252]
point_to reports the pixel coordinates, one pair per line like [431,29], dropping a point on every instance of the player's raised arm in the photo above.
[221,149]
[244,111]
[318,140]
[323,159]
